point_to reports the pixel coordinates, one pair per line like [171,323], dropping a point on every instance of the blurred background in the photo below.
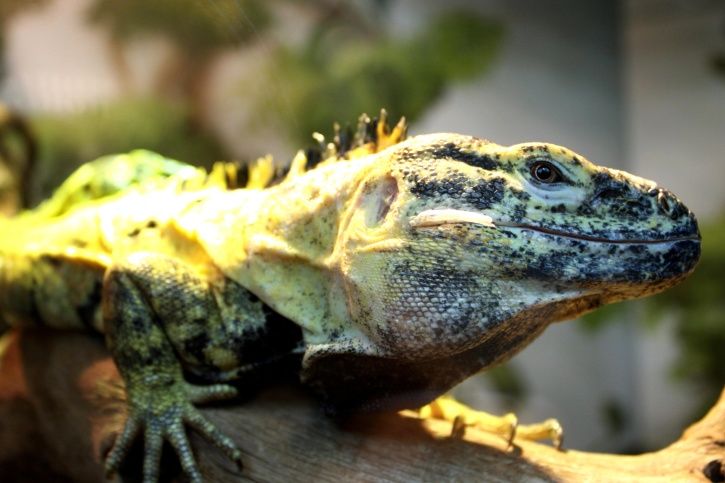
[633,84]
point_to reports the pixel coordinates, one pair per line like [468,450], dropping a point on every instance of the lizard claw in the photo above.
[162,415]
[507,426]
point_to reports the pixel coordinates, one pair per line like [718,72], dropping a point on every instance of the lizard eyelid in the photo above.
[545,172]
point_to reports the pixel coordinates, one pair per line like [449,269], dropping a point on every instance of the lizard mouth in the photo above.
[447,216]
[594,239]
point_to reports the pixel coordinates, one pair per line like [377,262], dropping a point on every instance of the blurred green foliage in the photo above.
[345,70]
[697,306]
[621,311]
[67,141]
[347,65]
[508,381]
[198,31]
[196,27]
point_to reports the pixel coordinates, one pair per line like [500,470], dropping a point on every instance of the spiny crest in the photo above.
[371,136]
[144,171]
[111,175]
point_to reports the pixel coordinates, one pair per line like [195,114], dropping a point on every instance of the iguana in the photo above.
[391,271]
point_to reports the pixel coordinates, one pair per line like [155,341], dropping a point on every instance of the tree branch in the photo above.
[61,404]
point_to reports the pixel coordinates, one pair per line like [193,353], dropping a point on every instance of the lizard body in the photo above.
[394,270]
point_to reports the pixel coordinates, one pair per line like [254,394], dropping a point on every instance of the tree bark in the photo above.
[61,403]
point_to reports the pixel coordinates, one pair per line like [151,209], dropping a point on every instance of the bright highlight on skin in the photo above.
[446,216]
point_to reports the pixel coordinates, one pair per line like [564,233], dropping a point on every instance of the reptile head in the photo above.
[454,242]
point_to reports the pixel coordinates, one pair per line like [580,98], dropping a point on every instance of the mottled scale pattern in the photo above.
[393,269]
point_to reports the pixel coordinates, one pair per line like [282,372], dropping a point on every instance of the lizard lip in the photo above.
[449,216]
[594,239]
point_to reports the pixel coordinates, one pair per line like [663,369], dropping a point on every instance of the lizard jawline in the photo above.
[448,216]
[593,239]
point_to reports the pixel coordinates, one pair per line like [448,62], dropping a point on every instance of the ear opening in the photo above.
[378,199]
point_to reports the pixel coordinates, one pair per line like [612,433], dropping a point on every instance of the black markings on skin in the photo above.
[637,249]
[520,194]
[448,318]
[336,333]
[481,193]
[278,337]
[155,354]
[139,324]
[150,224]
[519,214]
[679,258]
[607,189]
[433,187]
[87,310]
[535,148]
[196,344]
[668,204]
[616,198]
[585,210]
[254,342]
[472,158]
[34,310]
[637,266]
[486,193]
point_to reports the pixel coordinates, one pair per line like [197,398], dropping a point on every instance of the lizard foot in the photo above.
[462,417]
[161,414]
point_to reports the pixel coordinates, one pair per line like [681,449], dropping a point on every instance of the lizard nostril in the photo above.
[663,202]
[669,205]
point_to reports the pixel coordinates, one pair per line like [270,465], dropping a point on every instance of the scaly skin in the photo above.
[394,275]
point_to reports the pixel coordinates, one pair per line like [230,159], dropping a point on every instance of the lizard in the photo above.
[391,271]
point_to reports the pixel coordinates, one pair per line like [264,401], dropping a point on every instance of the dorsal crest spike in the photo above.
[298,165]
[261,173]
[371,136]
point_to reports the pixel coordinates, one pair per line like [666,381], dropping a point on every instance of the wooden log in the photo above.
[61,402]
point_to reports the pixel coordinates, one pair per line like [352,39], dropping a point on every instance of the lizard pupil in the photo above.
[545,172]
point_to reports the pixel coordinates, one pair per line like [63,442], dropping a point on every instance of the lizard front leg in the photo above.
[144,298]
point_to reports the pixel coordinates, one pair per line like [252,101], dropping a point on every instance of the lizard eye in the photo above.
[545,172]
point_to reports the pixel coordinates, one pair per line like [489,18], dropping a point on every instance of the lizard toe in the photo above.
[122,446]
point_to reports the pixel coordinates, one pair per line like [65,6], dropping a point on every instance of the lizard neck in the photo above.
[286,232]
